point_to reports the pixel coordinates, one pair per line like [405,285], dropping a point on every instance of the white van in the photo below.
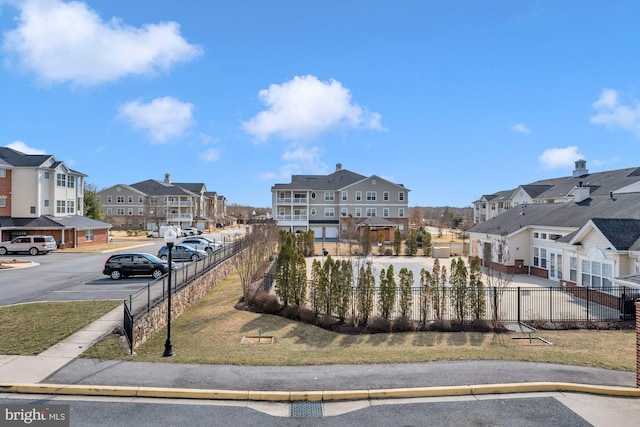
[163,229]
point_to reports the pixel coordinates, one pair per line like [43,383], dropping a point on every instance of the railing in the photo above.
[292,217]
[292,201]
[156,291]
[522,304]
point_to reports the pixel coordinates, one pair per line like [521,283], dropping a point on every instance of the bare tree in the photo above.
[259,245]
[497,275]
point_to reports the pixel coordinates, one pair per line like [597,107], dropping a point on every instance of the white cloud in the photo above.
[305,107]
[24,148]
[300,160]
[162,118]
[69,42]
[612,113]
[521,128]
[558,158]
[210,155]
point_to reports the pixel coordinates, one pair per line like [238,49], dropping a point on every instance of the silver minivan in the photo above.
[34,245]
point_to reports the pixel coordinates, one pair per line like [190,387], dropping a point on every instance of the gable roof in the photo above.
[567,214]
[50,221]
[623,233]
[154,187]
[334,181]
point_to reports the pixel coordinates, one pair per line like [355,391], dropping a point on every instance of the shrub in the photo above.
[380,324]
[327,321]
[268,303]
[388,251]
[403,324]
[442,325]
[290,312]
[307,316]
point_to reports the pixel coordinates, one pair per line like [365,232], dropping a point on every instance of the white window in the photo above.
[596,274]
[329,212]
[344,229]
[3,202]
[61,180]
[345,196]
[108,211]
[88,235]
[536,257]
[71,206]
[109,199]
[119,211]
[358,212]
[344,212]
[140,199]
[140,211]
[400,212]
[401,196]
[61,206]
[385,212]
[358,195]
[573,269]
[130,199]
[46,175]
[71,181]
[281,212]
[372,196]
[313,211]
[329,196]
[46,203]
[385,196]
[371,212]
[130,211]
[3,173]
[120,199]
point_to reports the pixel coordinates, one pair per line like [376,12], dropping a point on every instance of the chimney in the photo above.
[338,167]
[581,169]
[581,193]
[167,178]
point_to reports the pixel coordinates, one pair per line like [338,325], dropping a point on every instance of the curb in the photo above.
[316,396]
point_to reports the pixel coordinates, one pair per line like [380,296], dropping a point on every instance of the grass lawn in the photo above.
[30,329]
[212,330]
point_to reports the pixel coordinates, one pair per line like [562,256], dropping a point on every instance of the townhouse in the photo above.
[582,231]
[341,204]
[151,203]
[42,195]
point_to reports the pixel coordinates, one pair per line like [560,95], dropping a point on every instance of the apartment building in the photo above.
[341,204]
[42,195]
[151,203]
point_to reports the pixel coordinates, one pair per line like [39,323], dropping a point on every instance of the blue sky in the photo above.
[452,99]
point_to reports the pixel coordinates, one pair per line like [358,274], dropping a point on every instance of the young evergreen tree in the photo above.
[477,296]
[426,243]
[459,288]
[365,293]
[388,292]
[397,242]
[434,290]
[344,288]
[443,292]
[299,280]
[406,291]
[380,242]
[425,294]
[411,244]
[366,240]
[317,277]
[327,300]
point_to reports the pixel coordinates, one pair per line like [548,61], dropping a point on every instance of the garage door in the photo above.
[331,232]
[317,232]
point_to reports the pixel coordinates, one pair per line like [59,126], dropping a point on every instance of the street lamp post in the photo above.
[169,238]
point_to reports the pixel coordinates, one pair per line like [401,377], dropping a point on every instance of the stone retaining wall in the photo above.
[155,320]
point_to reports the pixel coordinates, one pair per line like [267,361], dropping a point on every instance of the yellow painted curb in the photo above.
[599,389]
[270,395]
[420,392]
[80,390]
[513,388]
[306,396]
[345,395]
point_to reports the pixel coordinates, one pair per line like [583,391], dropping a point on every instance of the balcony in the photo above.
[292,220]
[290,201]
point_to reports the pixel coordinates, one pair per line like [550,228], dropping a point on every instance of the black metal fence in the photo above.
[156,291]
[523,304]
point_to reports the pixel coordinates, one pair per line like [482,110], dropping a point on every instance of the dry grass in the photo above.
[30,329]
[211,332]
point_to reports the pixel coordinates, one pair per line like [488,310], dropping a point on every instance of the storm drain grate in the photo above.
[306,409]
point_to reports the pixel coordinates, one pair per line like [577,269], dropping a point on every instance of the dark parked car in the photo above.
[124,265]
[219,225]
[203,243]
[182,252]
